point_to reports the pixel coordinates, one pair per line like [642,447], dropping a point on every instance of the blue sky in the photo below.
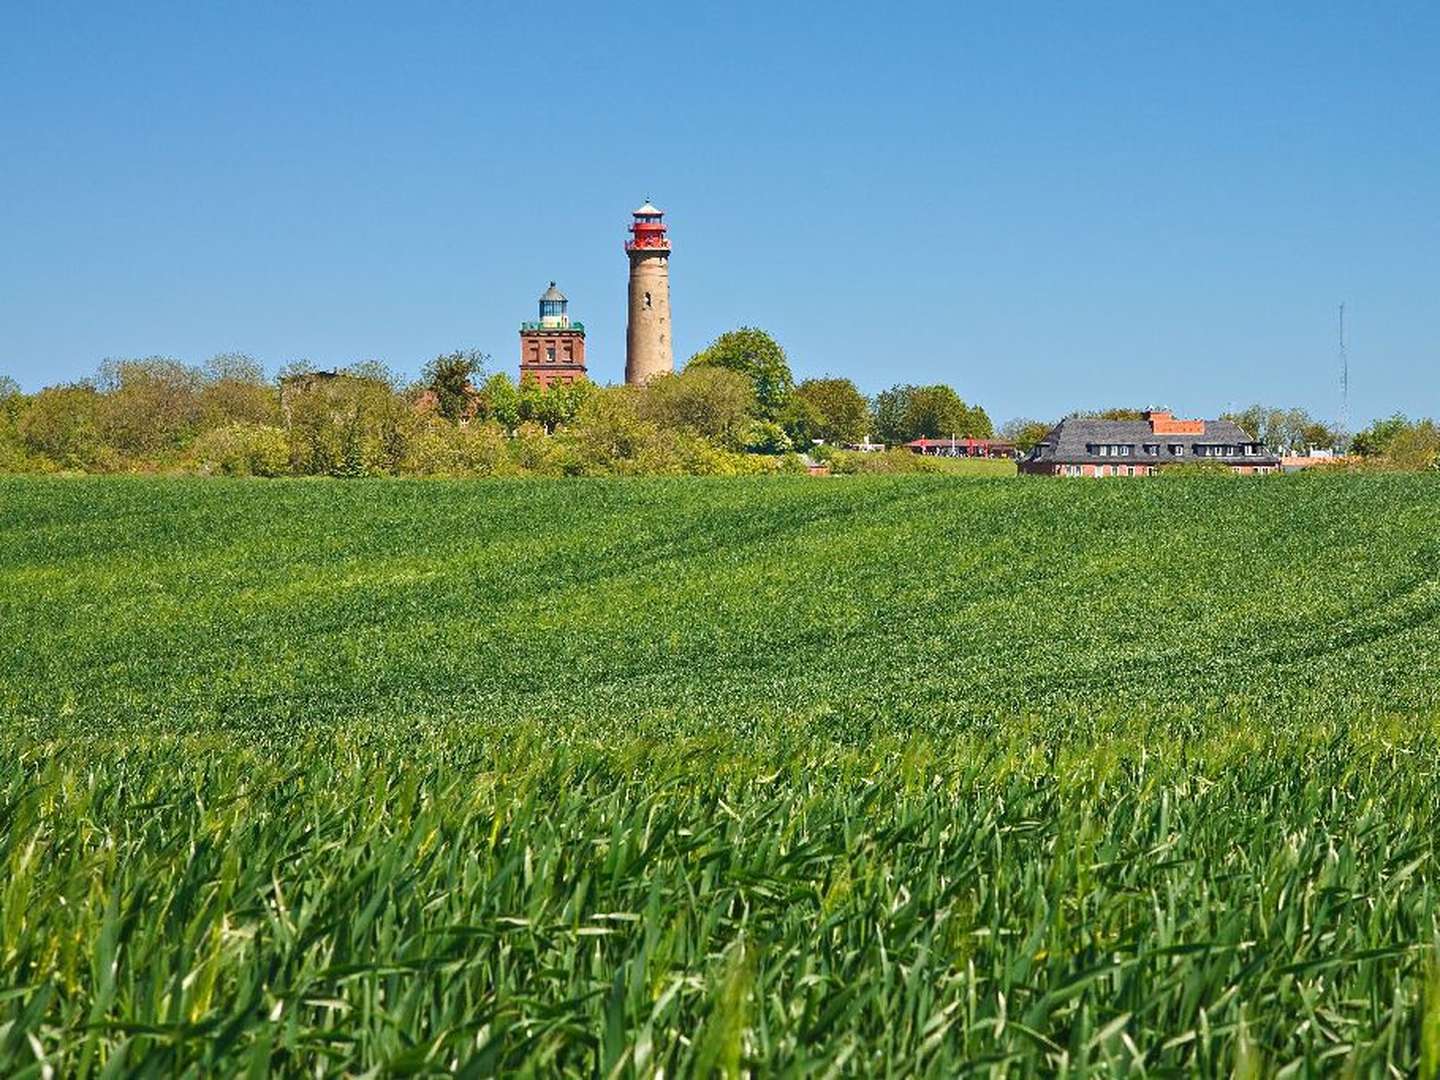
[1048,206]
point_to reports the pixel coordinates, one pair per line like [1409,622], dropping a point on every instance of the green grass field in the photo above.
[866,774]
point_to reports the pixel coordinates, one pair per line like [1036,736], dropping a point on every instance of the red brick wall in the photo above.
[569,362]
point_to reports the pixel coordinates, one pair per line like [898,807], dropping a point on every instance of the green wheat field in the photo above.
[789,776]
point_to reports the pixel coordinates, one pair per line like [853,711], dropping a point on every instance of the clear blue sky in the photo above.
[1049,206]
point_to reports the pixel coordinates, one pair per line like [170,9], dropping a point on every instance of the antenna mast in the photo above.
[1344,378]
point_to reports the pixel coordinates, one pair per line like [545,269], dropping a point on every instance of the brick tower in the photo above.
[553,348]
[647,333]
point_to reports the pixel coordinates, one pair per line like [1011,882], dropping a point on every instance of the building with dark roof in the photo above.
[1080,447]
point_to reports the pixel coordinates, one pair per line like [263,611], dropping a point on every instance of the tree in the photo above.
[376,371]
[1285,430]
[500,400]
[1024,433]
[1417,447]
[530,394]
[450,376]
[609,429]
[905,413]
[235,392]
[759,357]
[892,408]
[150,405]
[838,412]
[801,421]
[1375,440]
[347,424]
[713,402]
[1407,444]
[62,424]
[556,405]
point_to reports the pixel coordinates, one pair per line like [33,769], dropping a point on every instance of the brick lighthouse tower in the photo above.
[647,334]
[553,348]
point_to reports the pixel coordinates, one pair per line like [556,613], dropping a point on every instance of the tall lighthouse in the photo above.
[648,351]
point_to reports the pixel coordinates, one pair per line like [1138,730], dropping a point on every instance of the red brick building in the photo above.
[1084,447]
[553,348]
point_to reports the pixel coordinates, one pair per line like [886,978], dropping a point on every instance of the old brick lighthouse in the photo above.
[553,349]
[647,332]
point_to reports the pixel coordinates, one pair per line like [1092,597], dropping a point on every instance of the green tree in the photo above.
[556,405]
[1285,430]
[531,395]
[12,402]
[1375,440]
[500,400]
[1417,447]
[905,413]
[713,402]
[347,424]
[1024,433]
[891,412]
[839,412]
[801,421]
[150,406]
[62,424]
[759,357]
[450,378]
[235,391]
[609,430]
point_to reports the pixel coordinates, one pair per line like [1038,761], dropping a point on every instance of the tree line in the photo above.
[735,407]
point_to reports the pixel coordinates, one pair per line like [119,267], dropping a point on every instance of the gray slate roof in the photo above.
[552,293]
[1068,441]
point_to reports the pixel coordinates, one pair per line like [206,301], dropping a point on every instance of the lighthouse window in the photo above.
[647,300]
[550,353]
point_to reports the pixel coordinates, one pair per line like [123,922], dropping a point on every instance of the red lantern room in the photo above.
[648,231]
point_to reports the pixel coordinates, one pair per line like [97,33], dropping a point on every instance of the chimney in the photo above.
[1163,422]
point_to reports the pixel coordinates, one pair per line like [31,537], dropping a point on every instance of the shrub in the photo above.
[61,424]
[346,424]
[243,450]
[713,402]
[444,449]
[533,451]
[766,437]
[149,406]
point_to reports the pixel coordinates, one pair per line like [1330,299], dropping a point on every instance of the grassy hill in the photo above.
[909,773]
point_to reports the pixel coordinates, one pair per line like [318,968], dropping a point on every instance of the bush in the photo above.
[1197,468]
[444,449]
[243,450]
[766,437]
[902,462]
[149,406]
[713,402]
[347,424]
[531,450]
[61,425]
